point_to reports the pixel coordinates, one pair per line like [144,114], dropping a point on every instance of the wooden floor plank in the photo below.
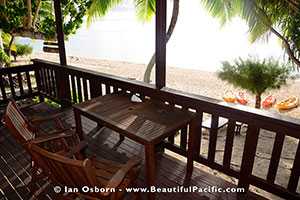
[14,162]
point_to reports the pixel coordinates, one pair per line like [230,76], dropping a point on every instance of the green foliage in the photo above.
[254,75]
[145,9]
[4,58]
[23,49]
[6,37]
[99,8]
[262,17]
[13,17]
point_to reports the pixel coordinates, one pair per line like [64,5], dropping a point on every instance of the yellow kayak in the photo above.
[229,97]
[287,104]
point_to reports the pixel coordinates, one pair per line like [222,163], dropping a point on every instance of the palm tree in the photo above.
[279,17]
[145,10]
[255,76]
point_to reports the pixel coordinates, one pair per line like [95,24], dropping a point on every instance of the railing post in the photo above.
[248,156]
[63,86]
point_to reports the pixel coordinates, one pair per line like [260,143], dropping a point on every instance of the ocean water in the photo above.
[198,42]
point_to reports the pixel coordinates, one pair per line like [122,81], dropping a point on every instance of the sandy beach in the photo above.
[207,84]
[189,80]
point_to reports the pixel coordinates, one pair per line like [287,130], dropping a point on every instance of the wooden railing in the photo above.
[68,84]
[18,83]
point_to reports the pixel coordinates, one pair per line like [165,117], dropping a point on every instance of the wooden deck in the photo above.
[15,165]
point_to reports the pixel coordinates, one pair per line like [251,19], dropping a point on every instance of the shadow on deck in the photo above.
[15,165]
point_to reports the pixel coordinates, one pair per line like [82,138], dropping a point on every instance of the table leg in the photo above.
[150,168]
[78,124]
[193,147]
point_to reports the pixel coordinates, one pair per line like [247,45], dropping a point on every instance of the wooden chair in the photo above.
[66,171]
[24,132]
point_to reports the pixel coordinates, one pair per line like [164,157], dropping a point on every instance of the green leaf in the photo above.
[255,75]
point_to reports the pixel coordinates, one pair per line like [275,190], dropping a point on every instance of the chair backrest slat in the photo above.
[65,171]
[17,123]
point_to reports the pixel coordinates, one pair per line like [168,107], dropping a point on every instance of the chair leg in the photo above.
[121,139]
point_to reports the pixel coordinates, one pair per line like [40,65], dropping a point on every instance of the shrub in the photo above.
[255,75]
[23,49]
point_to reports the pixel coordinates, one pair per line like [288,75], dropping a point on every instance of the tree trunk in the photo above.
[284,40]
[29,14]
[9,45]
[287,47]
[258,101]
[36,13]
[1,42]
[2,2]
[171,28]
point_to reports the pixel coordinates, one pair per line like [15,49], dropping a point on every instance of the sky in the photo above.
[198,41]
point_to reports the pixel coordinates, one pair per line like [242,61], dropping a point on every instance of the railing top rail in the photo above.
[264,119]
[16,69]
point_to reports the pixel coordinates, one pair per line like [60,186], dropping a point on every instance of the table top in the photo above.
[145,122]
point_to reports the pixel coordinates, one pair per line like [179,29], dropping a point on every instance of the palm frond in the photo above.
[99,8]
[224,10]
[145,9]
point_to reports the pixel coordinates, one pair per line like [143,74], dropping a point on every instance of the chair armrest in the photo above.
[76,149]
[118,178]
[46,138]
[43,119]
[56,118]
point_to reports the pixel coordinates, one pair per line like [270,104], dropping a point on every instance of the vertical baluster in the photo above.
[44,82]
[171,138]
[198,137]
[183,136]
[107,89]
[74,93]
[20,82]
[28,80]
[248,156]
[45,74]
[54,86]
[51,87]
[213,134]
[95,88]
[2,87]
[11,84]
[85,89]
[229,143]
[274,162]
[142,96]
[37,73]
[295,172]
[79,92]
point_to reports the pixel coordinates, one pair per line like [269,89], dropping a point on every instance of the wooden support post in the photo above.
[59,32]
[62,78]
[160,43]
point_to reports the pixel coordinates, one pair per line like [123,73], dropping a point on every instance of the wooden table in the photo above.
[147,123]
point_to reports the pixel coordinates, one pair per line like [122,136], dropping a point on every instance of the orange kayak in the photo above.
[229,97]
[289,103]
[241,98]
[268,101]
